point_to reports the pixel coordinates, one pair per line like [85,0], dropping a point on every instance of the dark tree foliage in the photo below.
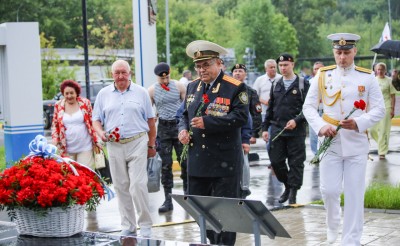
[306,16]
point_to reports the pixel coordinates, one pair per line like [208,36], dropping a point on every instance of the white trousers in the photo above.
[337,173]
[128,166]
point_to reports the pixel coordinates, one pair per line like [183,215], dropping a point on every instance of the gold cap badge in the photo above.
[342,42]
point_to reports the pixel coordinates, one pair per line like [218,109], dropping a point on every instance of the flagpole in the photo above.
[373,62]
[390,31]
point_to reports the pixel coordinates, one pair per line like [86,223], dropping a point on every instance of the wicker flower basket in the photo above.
[57,222]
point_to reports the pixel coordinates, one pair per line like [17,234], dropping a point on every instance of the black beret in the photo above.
[162,69]
[239,66]
[285,57]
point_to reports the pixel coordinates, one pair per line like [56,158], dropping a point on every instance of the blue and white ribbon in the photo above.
[40,147]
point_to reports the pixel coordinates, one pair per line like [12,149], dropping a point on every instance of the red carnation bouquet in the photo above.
[328,140]
[44,180]
[113,136]
[204,101]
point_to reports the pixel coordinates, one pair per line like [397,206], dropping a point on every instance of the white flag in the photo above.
[386,33]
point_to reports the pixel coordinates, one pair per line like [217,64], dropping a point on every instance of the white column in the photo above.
[145,43]
[21,82]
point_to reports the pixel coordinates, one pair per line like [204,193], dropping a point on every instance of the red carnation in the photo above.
[205,98]
[363,105]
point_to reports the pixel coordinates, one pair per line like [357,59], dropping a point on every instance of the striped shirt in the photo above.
[167,102]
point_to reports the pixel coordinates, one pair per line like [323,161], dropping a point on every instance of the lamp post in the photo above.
[18,12]
[167,32]
[249,58]
[390,30]
[85,48]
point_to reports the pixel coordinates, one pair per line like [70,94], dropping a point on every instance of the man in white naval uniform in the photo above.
[344,164]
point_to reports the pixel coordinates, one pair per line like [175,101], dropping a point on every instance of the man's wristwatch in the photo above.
[151,146]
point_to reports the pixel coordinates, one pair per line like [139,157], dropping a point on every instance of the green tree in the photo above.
[186,25]
[305,16]
[268,32]
[54,71]
[63,19]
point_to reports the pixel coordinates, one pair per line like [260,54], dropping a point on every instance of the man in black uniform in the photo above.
[284,112]
[216,107]
[239,72]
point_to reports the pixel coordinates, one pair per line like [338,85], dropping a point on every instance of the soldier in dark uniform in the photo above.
[216,107]
[284,112]
[239,72]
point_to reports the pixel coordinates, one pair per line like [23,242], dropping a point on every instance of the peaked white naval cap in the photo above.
[201,50]
[343,41]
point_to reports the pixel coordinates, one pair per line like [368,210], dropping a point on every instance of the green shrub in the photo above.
[378,196]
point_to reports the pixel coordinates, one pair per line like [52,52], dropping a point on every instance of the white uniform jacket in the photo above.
[345,86]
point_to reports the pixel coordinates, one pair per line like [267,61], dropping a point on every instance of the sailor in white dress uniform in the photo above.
[343,166]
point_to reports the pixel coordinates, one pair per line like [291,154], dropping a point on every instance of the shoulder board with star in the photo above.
[231,80]
[363,70]
[331,67]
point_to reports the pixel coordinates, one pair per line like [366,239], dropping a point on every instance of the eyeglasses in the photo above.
[205,66]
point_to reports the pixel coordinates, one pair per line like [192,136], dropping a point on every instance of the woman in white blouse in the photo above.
[72,130]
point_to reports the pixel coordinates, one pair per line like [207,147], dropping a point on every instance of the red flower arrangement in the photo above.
[204,101]
[40,182]
[113,136]
[328,140]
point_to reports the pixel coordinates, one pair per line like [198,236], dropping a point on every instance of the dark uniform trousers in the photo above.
[218,187]
[293,149]
[168,134]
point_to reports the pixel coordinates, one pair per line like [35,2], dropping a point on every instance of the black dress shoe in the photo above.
[292,196]
[167,206]
[244,193]
[285,195]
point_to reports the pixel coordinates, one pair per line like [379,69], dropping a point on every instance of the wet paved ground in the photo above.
[305,224]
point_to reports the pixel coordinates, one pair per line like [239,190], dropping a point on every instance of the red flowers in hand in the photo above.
[360,104]
[328,140]
[113,136]
[165,87]
[204,101]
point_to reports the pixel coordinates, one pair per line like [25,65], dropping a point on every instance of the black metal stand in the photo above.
[231,214]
